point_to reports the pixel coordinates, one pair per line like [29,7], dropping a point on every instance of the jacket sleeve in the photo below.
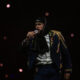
[66,57]
[24,46]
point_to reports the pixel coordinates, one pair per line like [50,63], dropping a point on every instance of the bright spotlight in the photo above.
[8,5]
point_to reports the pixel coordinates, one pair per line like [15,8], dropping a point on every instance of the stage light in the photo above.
[1,65]
[20,70]
[5,37]
[8,5]
[6,76]
[47,13]
[72,35]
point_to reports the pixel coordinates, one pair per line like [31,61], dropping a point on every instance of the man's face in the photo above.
[39,26]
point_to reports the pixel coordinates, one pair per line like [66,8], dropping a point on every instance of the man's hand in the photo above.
[67,76]
[31,34]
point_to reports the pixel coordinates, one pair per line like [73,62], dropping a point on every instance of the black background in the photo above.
[16,21]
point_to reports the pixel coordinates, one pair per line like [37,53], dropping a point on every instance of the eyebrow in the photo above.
[38,24]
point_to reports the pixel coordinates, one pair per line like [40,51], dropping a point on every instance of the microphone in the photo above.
[36,31]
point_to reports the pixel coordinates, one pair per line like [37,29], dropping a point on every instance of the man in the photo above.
[47,54]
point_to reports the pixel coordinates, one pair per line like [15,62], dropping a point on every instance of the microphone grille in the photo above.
[36,31]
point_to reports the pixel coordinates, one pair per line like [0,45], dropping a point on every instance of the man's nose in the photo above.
[37,26]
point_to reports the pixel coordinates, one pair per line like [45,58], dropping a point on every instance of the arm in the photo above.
[24,47]
[66,58]
[27,41]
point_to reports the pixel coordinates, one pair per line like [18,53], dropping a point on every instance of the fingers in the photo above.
[30,34]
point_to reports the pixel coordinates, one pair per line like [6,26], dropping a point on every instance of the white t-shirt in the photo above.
[45,58]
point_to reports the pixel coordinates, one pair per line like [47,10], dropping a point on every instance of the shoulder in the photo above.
[60,36]
[58,33]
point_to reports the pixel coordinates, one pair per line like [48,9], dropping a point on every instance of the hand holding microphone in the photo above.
[31,34]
